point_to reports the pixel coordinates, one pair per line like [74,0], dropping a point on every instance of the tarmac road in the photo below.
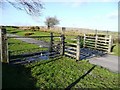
[32,41]
[108,61]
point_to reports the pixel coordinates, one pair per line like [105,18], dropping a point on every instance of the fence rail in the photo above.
[56,46]
[30,36]
[65,46]
[98,42]
[72,49]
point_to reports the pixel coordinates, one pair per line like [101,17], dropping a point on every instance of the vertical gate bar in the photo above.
[96,39]
[110,44]
[106,39]
[84,40]
[78,49]
[106,36]
[62,44]
[51,42]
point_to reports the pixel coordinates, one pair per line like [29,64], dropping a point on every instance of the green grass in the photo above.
[16,76]
[59,73]
[17,47]
[54,73]
[22,32]
[116,49]
[36,33]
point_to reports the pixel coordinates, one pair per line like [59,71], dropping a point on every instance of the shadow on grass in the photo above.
[82,77]
[87,53]
[26,54]
[112,47]
[17,76]
[14,31]
[53,60]
[32,57]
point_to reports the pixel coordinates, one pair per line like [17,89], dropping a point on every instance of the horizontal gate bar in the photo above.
[30,36]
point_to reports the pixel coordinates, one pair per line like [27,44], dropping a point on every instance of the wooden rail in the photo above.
[65,45]
[4,55]
[31,36]
[73,49]
[98,42]
[95,42]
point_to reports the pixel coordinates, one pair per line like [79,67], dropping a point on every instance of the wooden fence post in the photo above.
[106,39]
[51,42]
[62,44]
[63,30]
[78,49]
[84,40]
[107,33]
[0,45]
[3,46]
[96,32]
[96,39]
[110,44]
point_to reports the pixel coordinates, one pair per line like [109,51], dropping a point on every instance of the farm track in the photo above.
[32,41]
[108,61]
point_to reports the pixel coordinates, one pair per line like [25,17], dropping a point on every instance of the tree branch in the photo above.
[32,7]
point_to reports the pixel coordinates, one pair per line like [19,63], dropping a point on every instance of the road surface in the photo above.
[32,41]
[108,61]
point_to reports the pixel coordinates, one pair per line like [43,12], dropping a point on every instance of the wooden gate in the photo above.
[54,47]
[91,43]
[65,46]
[98,42]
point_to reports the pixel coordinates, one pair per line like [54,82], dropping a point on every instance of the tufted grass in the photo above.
[61,72]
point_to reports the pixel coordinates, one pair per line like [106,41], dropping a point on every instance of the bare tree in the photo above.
[51,21]
[32,7]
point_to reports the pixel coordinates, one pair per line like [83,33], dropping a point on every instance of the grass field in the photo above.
[17,47]
[58,73]
[61,72]
[35,33]
[116,49]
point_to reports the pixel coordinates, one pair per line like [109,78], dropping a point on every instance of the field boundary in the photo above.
[65,46]
[52,47]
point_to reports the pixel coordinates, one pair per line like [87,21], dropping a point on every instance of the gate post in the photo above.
[96,31]
[78,49]
[51,42]
[96,40]
[110,44]
[106,36]
[3,46]
[84,40]
[106,39]
[62,44]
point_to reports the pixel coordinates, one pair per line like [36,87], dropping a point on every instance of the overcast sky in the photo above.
[92,14]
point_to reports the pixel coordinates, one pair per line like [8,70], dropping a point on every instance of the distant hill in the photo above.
[68,30]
